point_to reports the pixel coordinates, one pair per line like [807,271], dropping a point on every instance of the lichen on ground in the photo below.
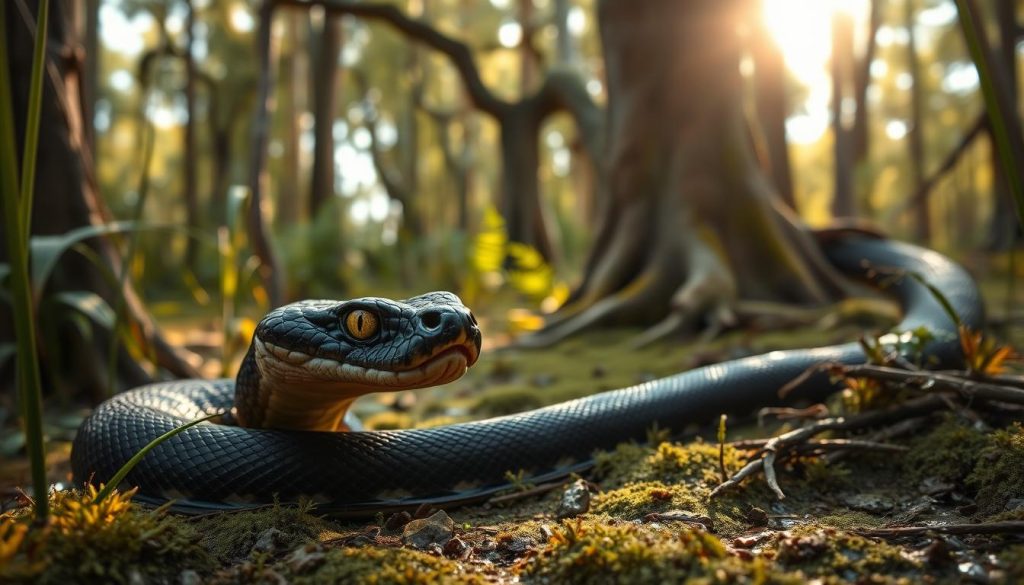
[112,541]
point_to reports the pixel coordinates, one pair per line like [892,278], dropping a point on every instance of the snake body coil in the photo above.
[212,466]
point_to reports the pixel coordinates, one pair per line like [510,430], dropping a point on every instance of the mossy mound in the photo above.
[112,541]
[595,553]
[948,453]
[232,536]
[356,566]
[841,556]
[998,476]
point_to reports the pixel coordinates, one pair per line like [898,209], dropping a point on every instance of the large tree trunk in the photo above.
[1005,229]
[915,139]
[692,226]
[843,201]
[65,199]
[772,109]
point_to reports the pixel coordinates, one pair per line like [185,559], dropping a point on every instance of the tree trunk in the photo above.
[772,110]
[66,199]
[915,138]
[324,97]
[693,226]
[843,203]
[289,198]
[191,194]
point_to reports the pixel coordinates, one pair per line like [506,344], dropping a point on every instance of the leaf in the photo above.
[487,253]
[89,304]
[47,250]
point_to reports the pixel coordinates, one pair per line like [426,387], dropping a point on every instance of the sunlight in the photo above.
[803,31]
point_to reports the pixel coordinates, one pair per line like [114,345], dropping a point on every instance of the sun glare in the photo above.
[803,31]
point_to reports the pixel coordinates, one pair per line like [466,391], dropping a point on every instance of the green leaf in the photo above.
[89,304]
[47,250]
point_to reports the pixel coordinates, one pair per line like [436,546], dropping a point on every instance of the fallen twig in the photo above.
[966,387]
[911,408]
[1004,527]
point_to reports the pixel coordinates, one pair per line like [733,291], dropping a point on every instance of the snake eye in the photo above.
[361,324]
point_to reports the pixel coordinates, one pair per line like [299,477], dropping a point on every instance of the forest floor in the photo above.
[649,517]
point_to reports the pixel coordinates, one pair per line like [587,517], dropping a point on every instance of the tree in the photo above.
[66,199]
[692,228]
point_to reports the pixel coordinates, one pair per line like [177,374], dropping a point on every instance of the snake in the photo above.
[308,350]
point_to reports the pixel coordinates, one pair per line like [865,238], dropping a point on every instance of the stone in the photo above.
[575,500]
[427,533]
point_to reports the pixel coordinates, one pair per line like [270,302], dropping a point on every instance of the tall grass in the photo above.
[17,217]
[999,112]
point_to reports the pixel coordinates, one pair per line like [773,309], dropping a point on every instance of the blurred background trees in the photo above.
[338,148]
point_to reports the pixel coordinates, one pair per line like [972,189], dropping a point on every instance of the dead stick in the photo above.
[910,408]
[937,381]
[1004,527]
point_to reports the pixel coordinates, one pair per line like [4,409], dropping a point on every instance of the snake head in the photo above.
[367,344]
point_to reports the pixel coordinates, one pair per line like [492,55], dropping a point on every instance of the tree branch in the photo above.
[975,130]
[458,52]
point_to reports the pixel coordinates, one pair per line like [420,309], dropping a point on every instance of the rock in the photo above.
[189,577]
[269,541]
[305,558]
[757,517]
[575,500]
[872,503]
[456,549]
[397,521]
[427,533]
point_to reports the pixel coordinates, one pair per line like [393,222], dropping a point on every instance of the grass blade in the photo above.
[131,463]
[35,105]
[27,371]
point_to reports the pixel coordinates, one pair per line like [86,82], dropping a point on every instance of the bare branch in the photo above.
[458,52]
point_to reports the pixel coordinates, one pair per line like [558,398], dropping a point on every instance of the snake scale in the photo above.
[216,466]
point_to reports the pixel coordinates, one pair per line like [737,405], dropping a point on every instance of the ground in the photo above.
[650,517]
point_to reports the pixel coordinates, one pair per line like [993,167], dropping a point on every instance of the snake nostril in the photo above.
[431,319]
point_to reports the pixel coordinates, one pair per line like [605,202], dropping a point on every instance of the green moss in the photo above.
[376,566]
[593,553]
[232,536]
[826,552]
[998,476]
[695,463]
[84,542]
[508,401]
[948,453]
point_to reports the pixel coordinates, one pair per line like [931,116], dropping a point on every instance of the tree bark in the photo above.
[861,83]
[325,95]
[191,192]
[915,138]
[269,271]
[693,225]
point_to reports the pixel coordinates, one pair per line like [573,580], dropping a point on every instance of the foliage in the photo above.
[87,540]
[17,216]
[591,552]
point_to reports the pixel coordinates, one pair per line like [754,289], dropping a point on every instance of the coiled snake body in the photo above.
[217,466]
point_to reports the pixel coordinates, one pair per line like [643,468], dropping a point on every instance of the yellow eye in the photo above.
[361,324]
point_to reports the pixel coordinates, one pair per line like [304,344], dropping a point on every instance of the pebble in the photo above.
[575,500]
[427,533]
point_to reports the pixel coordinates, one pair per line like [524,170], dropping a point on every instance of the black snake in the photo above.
[216,466]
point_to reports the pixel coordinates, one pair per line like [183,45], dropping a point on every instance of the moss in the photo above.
[232,536]
[998,475]
[374,566]
[589,552]
[948,453]
[388,421]
[695,463]
[88,542]
[1011,565]
[507,401]
[826,552]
